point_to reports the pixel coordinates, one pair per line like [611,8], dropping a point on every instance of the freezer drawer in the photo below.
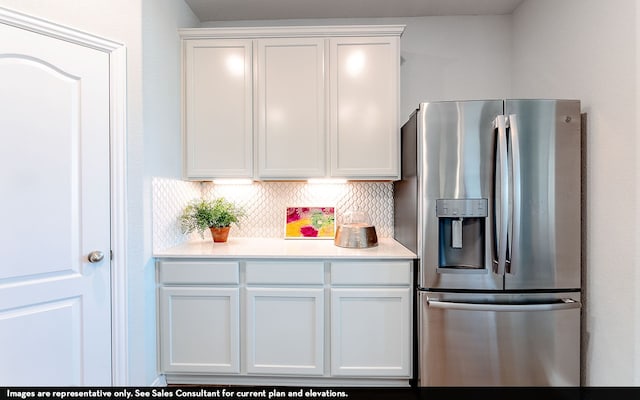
[498,339]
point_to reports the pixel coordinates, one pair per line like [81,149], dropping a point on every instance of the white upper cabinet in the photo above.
[291,108]
[292,102]
[364,107]
[218,109]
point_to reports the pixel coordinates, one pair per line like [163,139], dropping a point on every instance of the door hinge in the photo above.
[110,254]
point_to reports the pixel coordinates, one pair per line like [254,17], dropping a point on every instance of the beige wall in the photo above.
[586,49]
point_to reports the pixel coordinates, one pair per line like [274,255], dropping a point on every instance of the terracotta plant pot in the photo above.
[220,235]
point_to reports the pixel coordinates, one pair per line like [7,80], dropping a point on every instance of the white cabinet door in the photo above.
[200,329]
[371,332]
[285,331]
[365,134]
[291,108]
[218,109]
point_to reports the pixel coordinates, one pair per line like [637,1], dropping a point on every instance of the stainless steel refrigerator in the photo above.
[490,200]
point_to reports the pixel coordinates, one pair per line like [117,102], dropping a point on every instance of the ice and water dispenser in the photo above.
[461,233]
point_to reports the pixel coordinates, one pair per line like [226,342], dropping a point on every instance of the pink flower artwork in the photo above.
[310,223]
[308,231]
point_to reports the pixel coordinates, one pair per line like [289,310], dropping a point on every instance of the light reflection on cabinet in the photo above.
[364,102]
[218,108]
[291,108]
[292,103]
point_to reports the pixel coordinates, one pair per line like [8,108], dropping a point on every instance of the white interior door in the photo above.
[55,305]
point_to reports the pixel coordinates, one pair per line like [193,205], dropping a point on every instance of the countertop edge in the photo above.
[267,248]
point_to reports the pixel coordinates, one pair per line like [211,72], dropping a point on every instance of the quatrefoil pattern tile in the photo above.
[265,204]
[169,198]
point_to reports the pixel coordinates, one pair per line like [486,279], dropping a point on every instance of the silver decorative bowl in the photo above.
[356,236]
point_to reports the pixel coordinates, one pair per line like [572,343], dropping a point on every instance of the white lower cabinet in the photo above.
[290,322]
[285,331]
[371,318]
[200,329]
[370,332]
[284,317]
[199,317]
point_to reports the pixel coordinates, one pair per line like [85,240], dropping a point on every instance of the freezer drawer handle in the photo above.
[564,304]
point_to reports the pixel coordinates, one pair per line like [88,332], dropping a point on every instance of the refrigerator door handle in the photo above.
[563,304]
[500,124]
[516,199]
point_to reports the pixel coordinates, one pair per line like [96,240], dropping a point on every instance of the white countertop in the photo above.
[284,248]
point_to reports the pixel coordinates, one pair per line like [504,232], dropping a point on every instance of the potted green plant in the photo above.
[216,215]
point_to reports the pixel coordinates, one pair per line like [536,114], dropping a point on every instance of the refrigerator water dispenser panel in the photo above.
[461,233]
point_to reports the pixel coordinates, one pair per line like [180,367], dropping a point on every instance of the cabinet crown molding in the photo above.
[291,31]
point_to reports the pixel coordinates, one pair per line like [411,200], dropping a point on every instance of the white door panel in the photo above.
[291,108]
[218,119]
[55,315]
[200,329]
[371,332]
[22,340]
[285,331]
[364,107]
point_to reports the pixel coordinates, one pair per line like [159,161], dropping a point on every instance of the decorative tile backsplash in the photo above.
[265,204]
[169,198]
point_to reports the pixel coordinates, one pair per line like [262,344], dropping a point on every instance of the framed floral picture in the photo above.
[310,223]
